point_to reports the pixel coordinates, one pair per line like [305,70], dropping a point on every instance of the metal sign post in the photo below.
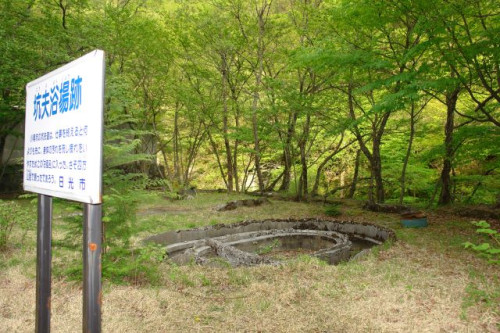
[43,263]
[63,158]
[92,292]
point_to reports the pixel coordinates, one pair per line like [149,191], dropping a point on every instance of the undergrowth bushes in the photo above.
[122,261]
[489,249]
[13,215]
[333,209]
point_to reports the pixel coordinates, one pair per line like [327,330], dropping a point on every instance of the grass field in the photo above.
[424,282]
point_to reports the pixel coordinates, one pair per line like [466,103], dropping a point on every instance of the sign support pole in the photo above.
[43,264]
[63,158]
[92,289]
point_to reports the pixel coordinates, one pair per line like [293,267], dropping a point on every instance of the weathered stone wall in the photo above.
[329,240]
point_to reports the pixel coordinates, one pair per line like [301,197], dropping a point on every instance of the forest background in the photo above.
[394,101]
[382,100]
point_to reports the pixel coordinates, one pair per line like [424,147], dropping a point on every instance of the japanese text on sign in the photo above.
[63,134]
[58,99]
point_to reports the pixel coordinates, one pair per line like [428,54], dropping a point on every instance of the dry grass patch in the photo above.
[402,290]
[423,283]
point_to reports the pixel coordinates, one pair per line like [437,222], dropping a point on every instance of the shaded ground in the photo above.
[425,282]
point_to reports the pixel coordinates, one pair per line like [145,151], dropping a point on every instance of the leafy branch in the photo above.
[486,250]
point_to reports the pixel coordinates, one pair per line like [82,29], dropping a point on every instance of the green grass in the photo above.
[266,249]
[160,214]
[424,279]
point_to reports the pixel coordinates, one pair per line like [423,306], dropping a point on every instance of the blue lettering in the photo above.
[37,111]
[64,97]
[54,99]
[76,93]
[45,102]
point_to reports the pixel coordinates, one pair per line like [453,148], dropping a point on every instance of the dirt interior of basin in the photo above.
[272,241]
[311,243]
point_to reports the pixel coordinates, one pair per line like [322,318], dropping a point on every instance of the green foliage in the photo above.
[158,183]
[177,275]
[139,266]
[182,91]
[122,262]
[205,281]
[481,291]
[489,250]
[477,295]
[333,210]
[239,277]
[122,265]
[269,247]
[13,215]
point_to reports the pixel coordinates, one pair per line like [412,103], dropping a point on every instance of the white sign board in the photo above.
[63,133]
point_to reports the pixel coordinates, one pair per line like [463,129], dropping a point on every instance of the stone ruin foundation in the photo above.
[272,241]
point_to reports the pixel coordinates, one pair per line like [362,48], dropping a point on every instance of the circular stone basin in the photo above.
[284,243]
[272,241]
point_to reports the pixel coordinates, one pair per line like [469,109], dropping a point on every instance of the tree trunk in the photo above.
[287,171]
[327,159]
[342,183]
[271,186]
[245,174]
[352,189]
[229,161]
[376,168]
[287,152]
[373,157]
[235,154]
[162,148]
[3,139]
[3,166]
[303,183]
[408,153]
[216,152]
[225,127]
[177,171]
[319,171]
[445,197]
[262,14]
[260,179]
[302,190]
[194,147]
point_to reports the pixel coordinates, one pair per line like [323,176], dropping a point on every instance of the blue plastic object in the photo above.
[414,223]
